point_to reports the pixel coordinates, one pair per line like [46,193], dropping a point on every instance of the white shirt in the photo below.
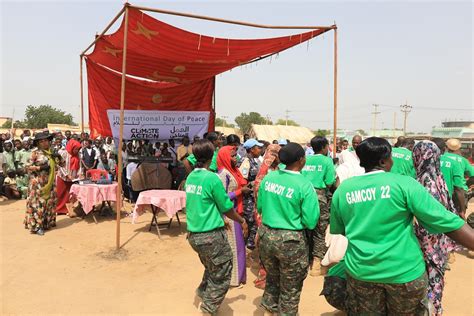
[131,167]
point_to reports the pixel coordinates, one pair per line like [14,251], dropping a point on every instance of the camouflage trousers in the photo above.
[319,232]
[284,255]
[335,292]
[367,298]
[216,255]
[249,216]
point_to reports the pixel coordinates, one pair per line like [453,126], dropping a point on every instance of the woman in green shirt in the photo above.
[386,273]
[206,202]
[288,205]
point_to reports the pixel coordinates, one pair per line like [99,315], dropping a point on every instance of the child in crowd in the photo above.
[9,186]
[22,182]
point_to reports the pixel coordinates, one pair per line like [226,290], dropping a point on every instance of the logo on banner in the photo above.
[159,125]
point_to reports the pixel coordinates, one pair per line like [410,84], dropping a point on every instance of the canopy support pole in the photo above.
[106,28]
[120,144]
[208,18]
[335,94]
[82,98]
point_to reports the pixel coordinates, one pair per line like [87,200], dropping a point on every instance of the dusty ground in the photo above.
[74,269]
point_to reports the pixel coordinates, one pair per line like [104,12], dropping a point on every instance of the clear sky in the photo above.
[389,53]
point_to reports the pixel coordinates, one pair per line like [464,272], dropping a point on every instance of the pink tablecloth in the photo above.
[91,194]
[170,201]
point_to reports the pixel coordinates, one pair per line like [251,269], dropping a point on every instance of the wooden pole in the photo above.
[335,92]
[106,28]
[394,124]
[120,145]
[202,17]
[82,98]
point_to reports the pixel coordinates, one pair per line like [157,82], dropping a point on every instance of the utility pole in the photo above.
[268,119]
[394,124]
[11,127]
[405,108]
[286,116]
[375,113]
[224,118]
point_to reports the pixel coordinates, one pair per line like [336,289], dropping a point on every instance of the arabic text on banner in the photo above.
[159,125]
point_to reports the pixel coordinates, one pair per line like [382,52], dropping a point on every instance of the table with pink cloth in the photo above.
[92,194]
[169,201]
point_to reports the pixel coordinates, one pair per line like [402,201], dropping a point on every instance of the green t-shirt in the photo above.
[286,200]
[320,170]
[281,166]
[22,156]
[465,165]
[375,212]
[452,174]
[206,201]
[213,166]
[403,162]
[468,168]
[338,270]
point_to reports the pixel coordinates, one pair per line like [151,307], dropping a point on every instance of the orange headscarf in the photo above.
[223,162]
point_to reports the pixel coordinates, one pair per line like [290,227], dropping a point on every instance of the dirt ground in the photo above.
[74,269]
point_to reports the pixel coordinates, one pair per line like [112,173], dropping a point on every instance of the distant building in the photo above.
[454,129]
[4,119]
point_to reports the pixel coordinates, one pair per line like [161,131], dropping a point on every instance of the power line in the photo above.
[405,108]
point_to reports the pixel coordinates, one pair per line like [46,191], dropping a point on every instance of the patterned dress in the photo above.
[435,247]
[40,209]
[235,234]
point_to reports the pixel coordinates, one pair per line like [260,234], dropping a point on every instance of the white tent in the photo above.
[297,134]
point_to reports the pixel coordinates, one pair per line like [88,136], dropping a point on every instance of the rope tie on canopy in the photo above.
[199,43]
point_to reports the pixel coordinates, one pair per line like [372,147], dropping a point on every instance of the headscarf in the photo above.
[74,162]
[223,162]
[426,159]
[271,153]
[350,166]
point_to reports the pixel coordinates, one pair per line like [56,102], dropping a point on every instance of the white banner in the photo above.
[158,125]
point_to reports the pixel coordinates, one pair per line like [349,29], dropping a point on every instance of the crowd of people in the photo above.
[396,215]
[380,222]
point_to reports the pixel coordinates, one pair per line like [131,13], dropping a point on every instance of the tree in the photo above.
[287,122]
[245,121]
[17,124]
[223,123]
[321,132]
[40,116]
[361,132]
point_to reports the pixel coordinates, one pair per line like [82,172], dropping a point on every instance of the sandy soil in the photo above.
[74,269]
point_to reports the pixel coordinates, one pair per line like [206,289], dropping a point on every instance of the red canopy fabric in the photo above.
[181,64]
[162,52]
[104,93]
